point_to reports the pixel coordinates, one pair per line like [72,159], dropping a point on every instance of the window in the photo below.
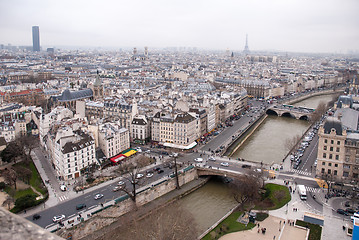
[330,156]
[336,157]
[345,174]
[323,170]
[329,171]
[336,165]
[68,165]
[332,141]
[325,140]
[329,164]
[325,148]
[331,149]
[337,149]
[338,142]
[323,163]
[335,172]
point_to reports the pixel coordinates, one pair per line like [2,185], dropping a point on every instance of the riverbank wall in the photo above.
[148,200]
[244,135]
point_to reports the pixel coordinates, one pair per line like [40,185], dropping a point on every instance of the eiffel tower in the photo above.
[246,48]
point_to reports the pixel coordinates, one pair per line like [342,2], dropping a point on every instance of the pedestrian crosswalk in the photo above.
[62,198]
[300,172]
[312,189]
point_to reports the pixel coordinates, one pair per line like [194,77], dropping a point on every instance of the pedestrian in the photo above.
[258,225]
[273,237]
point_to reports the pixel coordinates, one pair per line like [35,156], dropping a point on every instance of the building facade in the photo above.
[113,139]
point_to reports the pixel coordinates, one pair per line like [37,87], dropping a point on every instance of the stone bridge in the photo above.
[203,171]
[301,113]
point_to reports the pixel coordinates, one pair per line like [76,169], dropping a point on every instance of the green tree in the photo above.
[26,201]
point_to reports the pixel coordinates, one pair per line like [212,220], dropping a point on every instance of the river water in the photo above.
[212,201]
[268,143]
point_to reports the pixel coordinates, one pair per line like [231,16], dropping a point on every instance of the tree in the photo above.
[319,112]
[23,173]
[245,190]
[174,156]
[169,222]
[292,142]
[11,152]
[10,176]
[129,171]
[8,201]
[26,201]
[27,143]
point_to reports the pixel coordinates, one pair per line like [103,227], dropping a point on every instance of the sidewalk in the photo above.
[70,193]
[332,229]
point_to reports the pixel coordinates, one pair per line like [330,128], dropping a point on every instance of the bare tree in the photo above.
[319,111]
[245,190]
[8,201]
[175,155]
[10,176]
[167,223]
[130,170]
[23,173]
[27,143]
[290,143]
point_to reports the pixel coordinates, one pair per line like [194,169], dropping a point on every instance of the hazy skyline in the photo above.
[284,25]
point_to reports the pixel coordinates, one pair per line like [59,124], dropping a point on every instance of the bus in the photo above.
[302,192]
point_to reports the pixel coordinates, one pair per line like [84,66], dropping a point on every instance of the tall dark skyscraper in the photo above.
[35,39]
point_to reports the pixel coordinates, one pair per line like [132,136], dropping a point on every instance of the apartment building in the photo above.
[47,120]
[331,149]
[174,130]
[72,151]
[118,110]
[140,129]
[113,139]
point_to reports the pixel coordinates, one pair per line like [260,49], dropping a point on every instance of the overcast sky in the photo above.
[286,25]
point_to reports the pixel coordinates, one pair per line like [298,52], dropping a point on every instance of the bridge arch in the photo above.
[271,112]
[304,117]
[288,114]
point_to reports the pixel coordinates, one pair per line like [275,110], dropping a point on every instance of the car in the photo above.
[211,158]
[58,218]
[36,217]
[342,212]
[121,183]
[98,196]
[224,164]
[198,159]
[350,211]
[157,169]
[63,188]
[347,204]
[160,171]
[139,175]
[80,206]
[246,166]
[149,175]
[117,188]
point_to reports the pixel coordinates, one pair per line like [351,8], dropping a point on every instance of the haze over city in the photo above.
[295,26]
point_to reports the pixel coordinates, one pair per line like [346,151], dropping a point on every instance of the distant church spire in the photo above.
[246,48]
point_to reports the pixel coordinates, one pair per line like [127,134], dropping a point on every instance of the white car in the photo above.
[63,188]
[198,159]
[98,196]
[139,175]
[58,218]
[149,175]
[224,164]
[121,183]
[211,158]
